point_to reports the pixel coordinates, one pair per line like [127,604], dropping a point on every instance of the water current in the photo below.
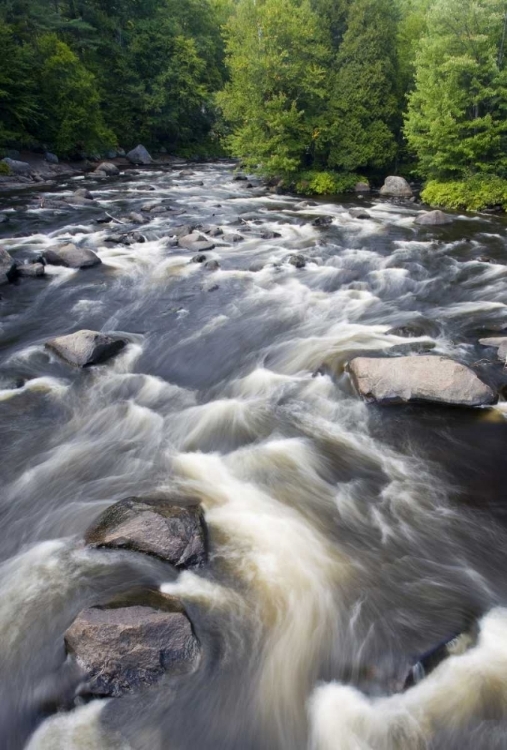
[345,539]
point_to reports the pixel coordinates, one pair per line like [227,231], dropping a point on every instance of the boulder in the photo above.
[212,265]
[359,213]
[322,221]
[394,380]
[86,348]
[83,193]
[172,533]
[195,242]
[397,187]
[199,258]
[136,218]
[433,218]
[31,270]
[150,206]
[123,649]
[362,187]
[268,235]
[71,256]
[232,237]
[297,260]
[111,170]
[183,230]
[8,269]
[51,158]
[497,342]
[17,167]
[139,155]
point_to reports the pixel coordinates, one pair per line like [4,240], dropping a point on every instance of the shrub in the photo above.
[472,194]
[326,183]
[4,169]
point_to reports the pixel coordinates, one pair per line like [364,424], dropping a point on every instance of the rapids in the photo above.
[345,539]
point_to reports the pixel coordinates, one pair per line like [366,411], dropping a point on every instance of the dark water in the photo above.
[345,539]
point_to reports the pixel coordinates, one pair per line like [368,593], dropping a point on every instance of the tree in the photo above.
[364,104]
[275,98]
[456,121]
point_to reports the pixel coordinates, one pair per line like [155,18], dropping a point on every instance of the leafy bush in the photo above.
[473,194]
[326,183]
[4,169]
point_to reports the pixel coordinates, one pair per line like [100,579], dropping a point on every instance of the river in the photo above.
[345,538]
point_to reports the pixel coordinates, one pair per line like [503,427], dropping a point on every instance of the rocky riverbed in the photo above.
[252,470]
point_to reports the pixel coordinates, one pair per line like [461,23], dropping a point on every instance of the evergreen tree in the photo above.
[456,121]
[364,104]
[277,90]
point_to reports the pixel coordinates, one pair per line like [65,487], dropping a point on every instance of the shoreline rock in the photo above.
[397,187]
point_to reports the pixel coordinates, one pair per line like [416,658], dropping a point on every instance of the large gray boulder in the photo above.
[497,342]
[391,380]
[8,270]
[139,155]
[111,170]
[397,187]
[196,243]
[173,533]
[51,158]
[17,167]
[123,649]
[85,348]
[433,219]
[71,256]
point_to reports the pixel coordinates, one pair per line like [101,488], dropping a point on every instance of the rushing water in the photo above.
[345,539]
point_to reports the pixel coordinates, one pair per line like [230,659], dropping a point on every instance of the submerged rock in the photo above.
[71,256]
[497,342]
[83,193]
[269,235]
[137,218]
[139,155]
[199,258]
[392,380]
[398,187]
[212,265]
[173,533]
[85,348]
[362,187]
[433,218]
[322,221]
[123,649]
[233,237]
[8,269]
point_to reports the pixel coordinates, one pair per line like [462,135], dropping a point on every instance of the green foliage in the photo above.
[5,170]
[472,194]
[364,106]
[277,63]
[456,121]
[326,183]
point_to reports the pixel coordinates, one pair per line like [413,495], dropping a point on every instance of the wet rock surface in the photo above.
[433,219]
[497,342]
[71,256]
[392,380]
[8,269]
[173,533]
[85,348]
[125,649]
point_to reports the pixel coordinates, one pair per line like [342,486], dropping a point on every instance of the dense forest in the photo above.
[317,93]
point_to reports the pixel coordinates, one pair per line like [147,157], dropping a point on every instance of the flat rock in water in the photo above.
[497,342]
[359,213]
[85,348]
[433,219]
[8,270]
[232,237]
[83,193]
[196,242]
[124,649]
[71,256]
[173,533]
[139,155]
[397,187]
[391,380]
